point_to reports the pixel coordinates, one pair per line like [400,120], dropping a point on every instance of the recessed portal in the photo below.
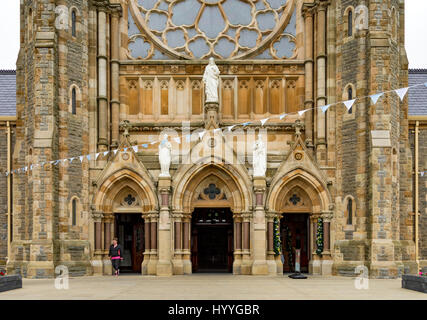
[129,229]
[212,240]
[294,235]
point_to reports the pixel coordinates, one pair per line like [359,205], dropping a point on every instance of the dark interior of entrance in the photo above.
[212,240]
[129,229]
[294,235]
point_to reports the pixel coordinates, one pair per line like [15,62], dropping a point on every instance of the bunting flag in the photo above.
[300,113]
[135,149]
[349,104]
[263,121]
[422,174]
[375,97]
[401,92]
[324,108]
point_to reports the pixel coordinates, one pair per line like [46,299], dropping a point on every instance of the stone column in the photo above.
[147,242]
[98,254]
[309,62]
[116,11]
[259,265]
[321,83]
[152,264]
[108,223]
[186,253]
[246,246]
[102,80]
[164,265]
[178,266]
[272,266]
[237,262]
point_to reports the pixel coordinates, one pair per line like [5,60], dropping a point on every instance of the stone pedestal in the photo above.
[164,264]
[259,266]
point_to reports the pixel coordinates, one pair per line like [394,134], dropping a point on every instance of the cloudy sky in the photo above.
[416,26]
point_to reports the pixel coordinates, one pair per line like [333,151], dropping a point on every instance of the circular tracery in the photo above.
[225,29]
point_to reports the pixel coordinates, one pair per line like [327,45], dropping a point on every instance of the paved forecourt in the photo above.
[211,286]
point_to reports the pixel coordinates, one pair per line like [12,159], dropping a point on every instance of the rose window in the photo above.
[224,29]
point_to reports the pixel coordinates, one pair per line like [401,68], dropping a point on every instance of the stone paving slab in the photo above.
[212,287]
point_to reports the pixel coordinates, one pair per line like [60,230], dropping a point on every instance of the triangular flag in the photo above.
[282,116]
[7,173]
[81,158]
[71,159]
[302,112]
[246,123]
[422,174]
[144,145]
[349,104]
[88,157]
[154,142]
[125,149]
[56,162]
[216,130]
[201,134]
[263,121]
[135,148]
[230,127]
[105,153]
[115,151]
[324,108]
[177,139]
[188,137]
[375,97]
[401,92]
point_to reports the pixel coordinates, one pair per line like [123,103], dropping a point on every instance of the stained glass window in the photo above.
[224,29]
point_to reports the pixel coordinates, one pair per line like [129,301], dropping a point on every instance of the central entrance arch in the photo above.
[210,204]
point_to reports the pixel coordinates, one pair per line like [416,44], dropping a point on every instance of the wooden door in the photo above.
[194,248]
[138,246]
[294,236]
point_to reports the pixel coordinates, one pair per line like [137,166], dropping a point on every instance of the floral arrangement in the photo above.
[2,273]
[277,243]
[319,240]
[423,274]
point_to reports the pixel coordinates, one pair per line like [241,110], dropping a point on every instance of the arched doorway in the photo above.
[126,205]
[299,199]
[209,204]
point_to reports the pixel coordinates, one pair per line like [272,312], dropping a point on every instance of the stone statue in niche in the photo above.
[259,157]
[211,80]
[165,149]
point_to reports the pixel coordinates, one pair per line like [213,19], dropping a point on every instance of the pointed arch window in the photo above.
[350,96]
[73,101]
[350,23]
[350,211]
[74,212]
[73,23]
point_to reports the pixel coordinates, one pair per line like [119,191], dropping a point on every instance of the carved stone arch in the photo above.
[116,183]
[305,182]
[190,180]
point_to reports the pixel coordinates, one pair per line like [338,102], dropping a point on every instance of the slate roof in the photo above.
[418,95]
[7,93]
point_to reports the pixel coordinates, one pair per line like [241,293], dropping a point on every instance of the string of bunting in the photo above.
[401,92]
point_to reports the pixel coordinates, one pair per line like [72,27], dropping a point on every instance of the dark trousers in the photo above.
[116,264]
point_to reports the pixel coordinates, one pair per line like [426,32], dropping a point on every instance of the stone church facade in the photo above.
[97,76]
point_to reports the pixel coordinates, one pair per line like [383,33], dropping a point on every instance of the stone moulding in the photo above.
[10,282]
[416,283]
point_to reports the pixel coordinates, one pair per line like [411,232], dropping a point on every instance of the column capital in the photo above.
[308,9]
[327,216]
[116,9]
[97,216]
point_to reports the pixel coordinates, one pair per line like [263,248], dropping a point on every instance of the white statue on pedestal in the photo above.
[165,149]
[211,80]
[259,158]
